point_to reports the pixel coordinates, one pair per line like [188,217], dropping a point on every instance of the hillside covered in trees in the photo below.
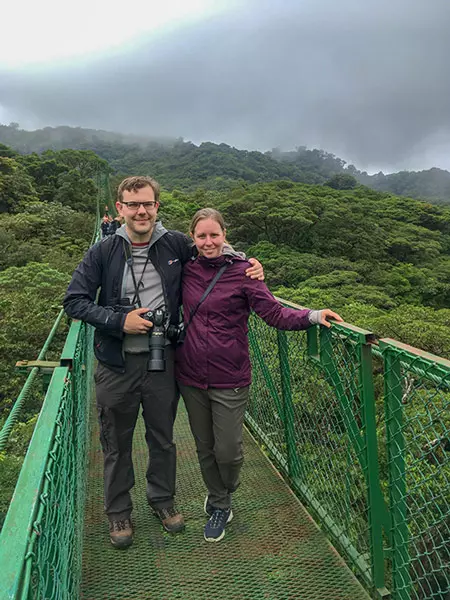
[183,165]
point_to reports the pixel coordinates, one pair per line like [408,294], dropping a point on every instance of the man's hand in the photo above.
[327,313]
[135,324]
[256,271]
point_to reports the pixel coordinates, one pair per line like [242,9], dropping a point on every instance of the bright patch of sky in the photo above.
[53,31]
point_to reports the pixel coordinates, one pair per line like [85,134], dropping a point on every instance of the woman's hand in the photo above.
[329,314]
[256,271]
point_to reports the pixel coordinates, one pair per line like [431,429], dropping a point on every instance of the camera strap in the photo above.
[129,259]
[216,278]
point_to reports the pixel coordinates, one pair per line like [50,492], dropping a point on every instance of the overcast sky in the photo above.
[368,80]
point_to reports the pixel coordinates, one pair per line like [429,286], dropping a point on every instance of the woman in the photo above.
[213,364]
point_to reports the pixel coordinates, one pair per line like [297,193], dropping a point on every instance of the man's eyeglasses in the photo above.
[136,205]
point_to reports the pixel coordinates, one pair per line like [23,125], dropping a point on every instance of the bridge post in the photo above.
[377,512]
[361,433]
[397,472]
[288,406]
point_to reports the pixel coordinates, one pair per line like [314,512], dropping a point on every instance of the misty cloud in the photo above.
[368,81]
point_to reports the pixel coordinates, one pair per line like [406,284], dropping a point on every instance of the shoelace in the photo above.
[121,525]
[168,512]
[219,518]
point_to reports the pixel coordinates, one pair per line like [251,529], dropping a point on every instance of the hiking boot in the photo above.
[215,528]
[171,519]
[121,533]
[208,508]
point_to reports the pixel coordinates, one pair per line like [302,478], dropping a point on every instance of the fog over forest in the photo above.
[368,81]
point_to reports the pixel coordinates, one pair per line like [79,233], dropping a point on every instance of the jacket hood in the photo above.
[227,253]
[158,231]
[218,261]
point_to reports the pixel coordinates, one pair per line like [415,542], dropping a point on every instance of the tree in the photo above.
[85,161]
[8,152]
[342,181]
[16,186]
[45,173]
[76,192]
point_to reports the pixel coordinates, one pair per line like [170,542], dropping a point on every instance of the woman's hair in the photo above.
[206,213]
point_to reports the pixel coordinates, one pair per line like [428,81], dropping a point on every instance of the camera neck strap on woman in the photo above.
[215,279]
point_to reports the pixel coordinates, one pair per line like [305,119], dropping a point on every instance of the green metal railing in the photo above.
[417,404]
[361,432]
[40,543]
[105,196]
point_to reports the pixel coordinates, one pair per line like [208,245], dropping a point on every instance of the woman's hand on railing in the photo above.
[326,313]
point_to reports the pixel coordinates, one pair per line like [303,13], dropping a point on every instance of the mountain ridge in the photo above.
[183,164]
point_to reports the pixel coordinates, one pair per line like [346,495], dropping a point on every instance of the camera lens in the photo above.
[157,342]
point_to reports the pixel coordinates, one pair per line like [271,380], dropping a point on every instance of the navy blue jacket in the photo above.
[103,267]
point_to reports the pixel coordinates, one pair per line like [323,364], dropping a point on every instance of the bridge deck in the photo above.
[272,549]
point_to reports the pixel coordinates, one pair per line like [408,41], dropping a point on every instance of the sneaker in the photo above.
[215,528]
[121,533]
[208,508]
[171,519]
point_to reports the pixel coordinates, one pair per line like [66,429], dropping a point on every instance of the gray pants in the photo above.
[216,417]
[119,397]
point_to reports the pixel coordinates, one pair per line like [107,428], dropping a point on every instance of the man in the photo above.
[114,225]
[140,265]
[104,226]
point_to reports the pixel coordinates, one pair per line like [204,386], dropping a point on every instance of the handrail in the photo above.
[23,510]
[48,500]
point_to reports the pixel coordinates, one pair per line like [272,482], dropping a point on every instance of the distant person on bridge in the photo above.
[114,225]
[105,226]
[213,364]
[137,270]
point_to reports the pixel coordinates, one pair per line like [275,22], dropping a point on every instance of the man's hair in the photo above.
[206,213]
[133,184]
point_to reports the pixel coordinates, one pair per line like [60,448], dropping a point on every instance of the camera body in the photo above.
[161,331]
[176,333]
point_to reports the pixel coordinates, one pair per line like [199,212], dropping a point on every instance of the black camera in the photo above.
[161,331]
[176,333]
[157,338]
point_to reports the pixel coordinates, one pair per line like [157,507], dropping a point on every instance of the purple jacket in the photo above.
[215,352]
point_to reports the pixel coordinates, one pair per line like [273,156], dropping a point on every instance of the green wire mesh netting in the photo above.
[53,561]
[308,411]
[312,443]
[418,437]
[272,549]
[14,449]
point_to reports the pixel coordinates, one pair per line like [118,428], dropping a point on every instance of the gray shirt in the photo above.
[150,290]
